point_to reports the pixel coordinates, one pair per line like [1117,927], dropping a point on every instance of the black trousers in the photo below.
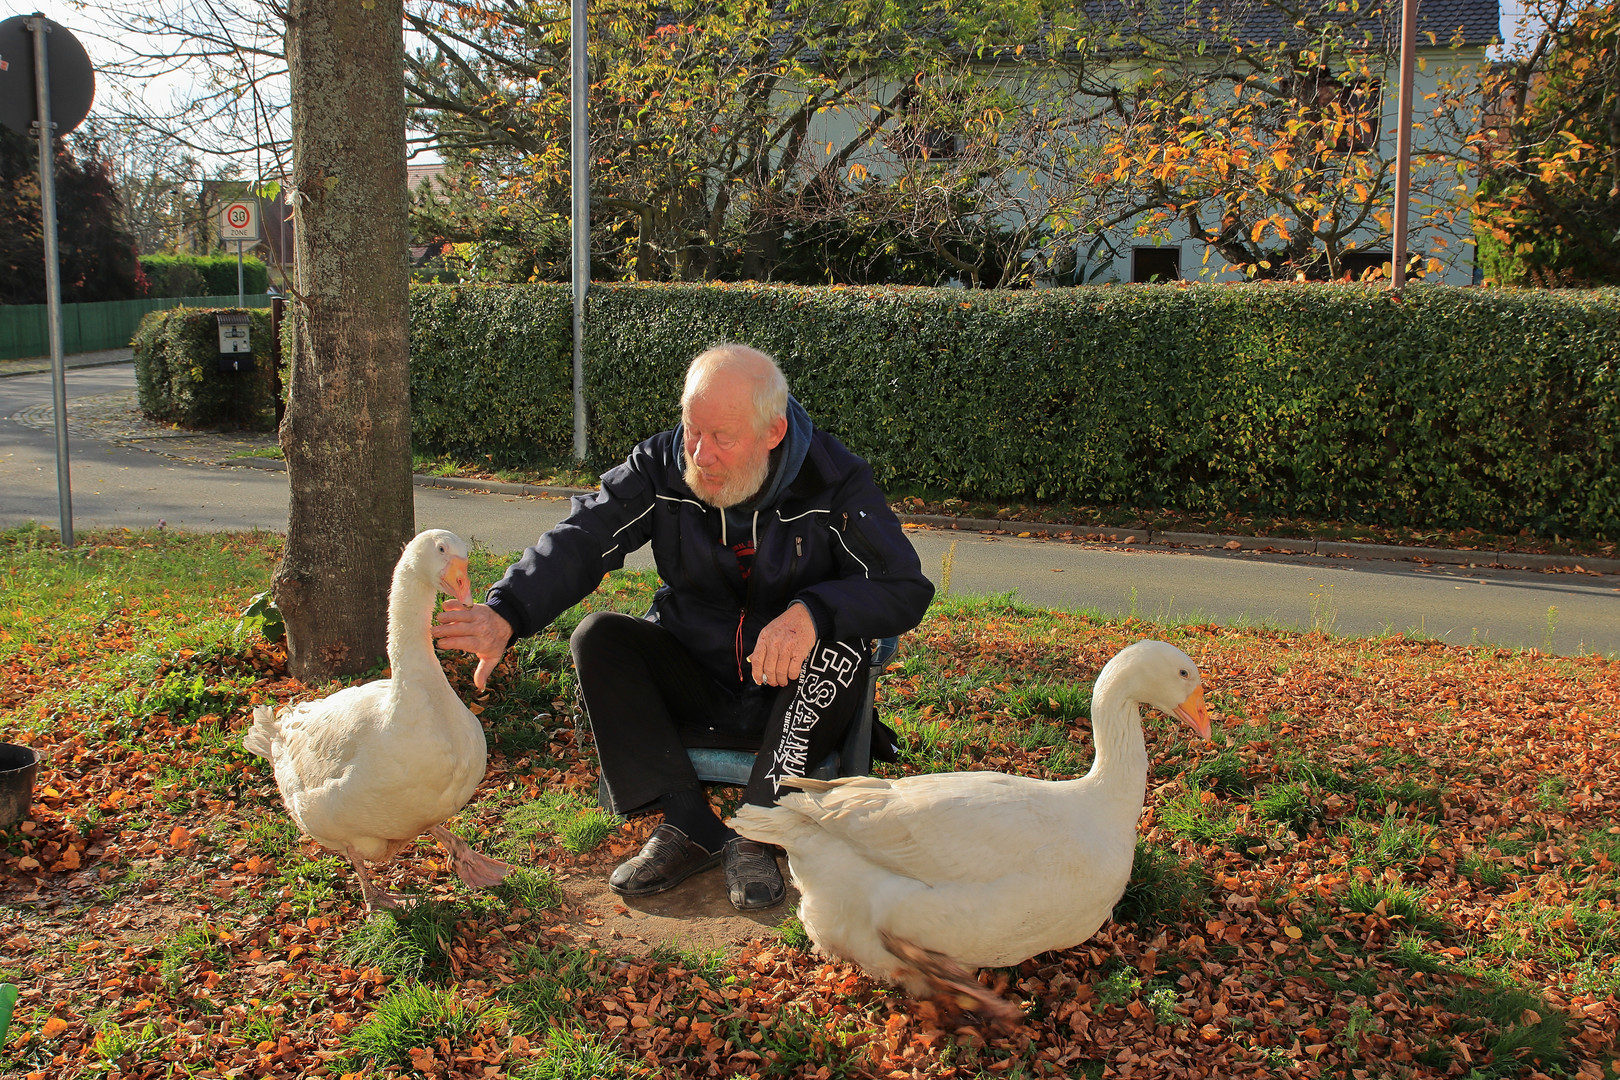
[649,700]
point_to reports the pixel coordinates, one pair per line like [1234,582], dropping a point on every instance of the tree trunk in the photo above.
[346,433]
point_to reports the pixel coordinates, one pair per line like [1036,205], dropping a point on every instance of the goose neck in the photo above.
[410,622]
[1116,729]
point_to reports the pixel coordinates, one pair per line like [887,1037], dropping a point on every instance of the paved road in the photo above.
[1568,613]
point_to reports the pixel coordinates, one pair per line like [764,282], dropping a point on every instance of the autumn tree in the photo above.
[98,259]
[1549,208]
[1268,147]
[986,167]
[705,115]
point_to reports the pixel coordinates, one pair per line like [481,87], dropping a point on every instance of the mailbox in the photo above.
[235,349]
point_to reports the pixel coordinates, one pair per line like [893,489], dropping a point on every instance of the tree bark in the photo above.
[346,433]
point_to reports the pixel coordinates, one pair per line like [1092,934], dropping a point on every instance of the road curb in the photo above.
[1286,545]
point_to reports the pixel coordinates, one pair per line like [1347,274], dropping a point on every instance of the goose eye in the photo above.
[1183,673]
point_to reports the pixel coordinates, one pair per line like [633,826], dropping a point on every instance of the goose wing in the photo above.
[975,826]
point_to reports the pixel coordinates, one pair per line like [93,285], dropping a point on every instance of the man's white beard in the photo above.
[738,489]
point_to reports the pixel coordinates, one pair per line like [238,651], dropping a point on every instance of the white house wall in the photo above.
[1451,245]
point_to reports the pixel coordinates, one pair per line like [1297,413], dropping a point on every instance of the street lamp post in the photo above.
[1403,144]
[579,92]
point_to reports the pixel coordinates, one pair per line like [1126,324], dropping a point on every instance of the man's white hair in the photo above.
[732,361]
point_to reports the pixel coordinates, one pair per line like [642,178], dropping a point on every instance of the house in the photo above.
[1339,90]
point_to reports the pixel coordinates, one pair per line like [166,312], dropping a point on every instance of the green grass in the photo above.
[193,943]
[1393,842]
[1120,987]
[1204,818]
[549,982]
[128,1046]
[792,933]
[415,1016]
[401,948]
[1411,952]
[1291,805]
[1163,888]
[571,1054]
[796,1042]
[574,823]
[1525,1031]
[530,890]
[1223,773]
[1395,901]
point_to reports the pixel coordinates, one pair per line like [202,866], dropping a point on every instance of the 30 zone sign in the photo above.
[239,220]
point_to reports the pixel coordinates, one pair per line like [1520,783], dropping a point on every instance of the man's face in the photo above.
[727,461]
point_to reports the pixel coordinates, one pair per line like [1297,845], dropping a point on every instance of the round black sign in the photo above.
[72,79]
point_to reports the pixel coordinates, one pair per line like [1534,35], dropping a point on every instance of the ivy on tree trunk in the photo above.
[346,434]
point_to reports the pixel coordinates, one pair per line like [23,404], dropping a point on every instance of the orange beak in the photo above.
[1193,713]
[455,582]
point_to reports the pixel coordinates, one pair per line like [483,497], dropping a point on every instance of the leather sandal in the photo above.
[753,880]
[668,858]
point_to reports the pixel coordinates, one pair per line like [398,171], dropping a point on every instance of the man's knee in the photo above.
[599,631]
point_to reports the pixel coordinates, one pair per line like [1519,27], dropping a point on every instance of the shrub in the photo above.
[1444,408]
[202,275]
[177,374]
[492,371]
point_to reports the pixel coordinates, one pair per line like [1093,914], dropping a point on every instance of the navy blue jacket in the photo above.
[826,537]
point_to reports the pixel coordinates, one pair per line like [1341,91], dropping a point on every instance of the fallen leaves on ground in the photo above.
[154,930]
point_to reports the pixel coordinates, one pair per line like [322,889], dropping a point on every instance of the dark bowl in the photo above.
[18,764]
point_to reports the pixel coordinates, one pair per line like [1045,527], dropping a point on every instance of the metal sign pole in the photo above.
[1403,144]
[53,278]
[239,297]
[580,166]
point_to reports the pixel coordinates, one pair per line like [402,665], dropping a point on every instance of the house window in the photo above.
[1354,264]
[1156,263]
[915,137]
[1350,111]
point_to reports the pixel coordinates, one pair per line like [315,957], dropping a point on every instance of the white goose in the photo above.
[920,880]
[367,770]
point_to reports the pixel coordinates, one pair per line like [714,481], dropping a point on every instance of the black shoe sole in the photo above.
[695,868]
[757,907]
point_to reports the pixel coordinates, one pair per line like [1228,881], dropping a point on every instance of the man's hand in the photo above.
[476,629]
[783,646]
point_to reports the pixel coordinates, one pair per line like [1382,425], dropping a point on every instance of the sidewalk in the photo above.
[33,365]
[116,418]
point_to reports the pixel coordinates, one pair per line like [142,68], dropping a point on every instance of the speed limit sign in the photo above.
[239,220]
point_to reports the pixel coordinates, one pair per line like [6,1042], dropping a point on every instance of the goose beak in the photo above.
[454,581]
[1193,713]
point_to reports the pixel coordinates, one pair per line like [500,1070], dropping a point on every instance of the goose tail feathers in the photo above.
[262,733]
[767,824]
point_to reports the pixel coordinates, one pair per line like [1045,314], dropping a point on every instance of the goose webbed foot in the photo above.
[951,980]
[376,898]
[478,871]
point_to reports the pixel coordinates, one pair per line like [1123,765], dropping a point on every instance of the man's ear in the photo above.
[776,432]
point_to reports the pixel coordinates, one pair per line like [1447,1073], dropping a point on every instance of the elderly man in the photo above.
[780,561]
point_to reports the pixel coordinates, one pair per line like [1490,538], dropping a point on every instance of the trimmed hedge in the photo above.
[492,371]
[202,275]
[1447,408]
[177,376]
